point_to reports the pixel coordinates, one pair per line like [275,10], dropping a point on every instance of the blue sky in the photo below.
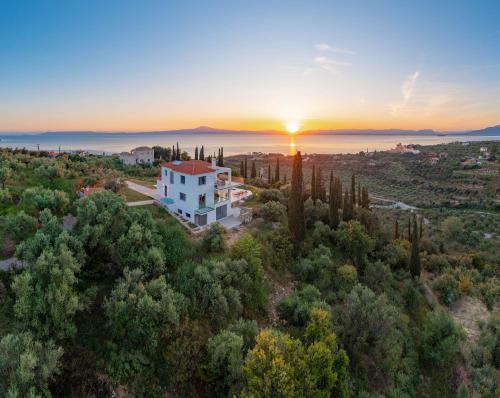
[131,65]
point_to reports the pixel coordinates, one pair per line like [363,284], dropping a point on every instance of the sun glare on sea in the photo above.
[292,127]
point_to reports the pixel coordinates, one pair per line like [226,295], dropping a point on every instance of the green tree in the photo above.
[280,366]
[46,296]
[249,249]
[245,174]
[225,359]
[214,239]
[440,341]
[353,189]
[139,314]
[27,366]
[21,225]
[196,153]
[296,221]
[372,332]
[296,308]
[355,242]
[202,153]
[273,211]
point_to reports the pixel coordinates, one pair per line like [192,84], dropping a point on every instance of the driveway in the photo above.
[151,192]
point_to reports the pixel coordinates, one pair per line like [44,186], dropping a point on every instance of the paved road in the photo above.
[151,192]
[140,203]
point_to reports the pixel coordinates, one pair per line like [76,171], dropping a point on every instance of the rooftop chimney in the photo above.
[213,163]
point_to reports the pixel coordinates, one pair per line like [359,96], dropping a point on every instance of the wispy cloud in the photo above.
[407,88]
[325,47]
[330,65]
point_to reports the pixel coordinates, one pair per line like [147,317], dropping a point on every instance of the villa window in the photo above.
[166,172]
[202,180]
[183,179]
[188,215]
[182,196]
[172,177]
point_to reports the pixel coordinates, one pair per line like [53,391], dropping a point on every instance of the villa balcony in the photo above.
[204,210]
[223,184]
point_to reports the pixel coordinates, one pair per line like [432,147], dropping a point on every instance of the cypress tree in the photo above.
[421,227]
[277,171]
[209,159]
[245,174]
[217,162]
[346,214]
[269,176]
[254,170]
[196,153]
[242,169]
[360,201]
[353,189]
[174,155]
[284,179]
[396,230]
[320,187]
[178,153]
[409,229]
[339,193]
[415,252]
[202,153]
[221,161]
[314,194]
[333,205]
[296,221]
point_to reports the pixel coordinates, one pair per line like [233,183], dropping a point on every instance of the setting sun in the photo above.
[292,127]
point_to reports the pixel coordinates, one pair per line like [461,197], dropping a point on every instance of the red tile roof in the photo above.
[192,167]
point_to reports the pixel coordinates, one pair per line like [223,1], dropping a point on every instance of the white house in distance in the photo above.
[200,192]
[140,155]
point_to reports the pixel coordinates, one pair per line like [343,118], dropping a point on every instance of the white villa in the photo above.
[200,192]
[140,155]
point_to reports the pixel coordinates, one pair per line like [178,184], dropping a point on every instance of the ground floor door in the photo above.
[200,219]
[221,212]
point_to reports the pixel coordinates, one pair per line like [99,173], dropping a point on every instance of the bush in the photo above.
[21,225]
[273,211]
[296,308]
[490,292]
[5,197]
[347,277]
[440,340]
[274,195]
[214,239]
[452,227]
[436,262]
[446,285]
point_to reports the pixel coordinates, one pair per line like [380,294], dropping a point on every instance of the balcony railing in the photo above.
[204,210]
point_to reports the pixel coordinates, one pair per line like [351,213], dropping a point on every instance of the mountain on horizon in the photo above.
[488,131]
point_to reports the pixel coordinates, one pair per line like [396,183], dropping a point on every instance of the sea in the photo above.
[233,143]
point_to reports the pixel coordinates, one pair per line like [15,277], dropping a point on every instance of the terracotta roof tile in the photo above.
[192,167]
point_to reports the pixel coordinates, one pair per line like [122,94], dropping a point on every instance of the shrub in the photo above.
[5,197]
[21,225]
[436,262]
[490,292]
[296,308]
[273,211]
[452,227]
[214,239]
[347,277]
[274,195]
[446,285]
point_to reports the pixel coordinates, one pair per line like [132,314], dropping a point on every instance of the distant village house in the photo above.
[140,155]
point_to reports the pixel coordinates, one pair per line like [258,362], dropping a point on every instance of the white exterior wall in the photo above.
[138,157]
[144,157]
[192,189]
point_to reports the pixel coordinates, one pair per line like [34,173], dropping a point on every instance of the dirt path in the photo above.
[468,311]
[279,290]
